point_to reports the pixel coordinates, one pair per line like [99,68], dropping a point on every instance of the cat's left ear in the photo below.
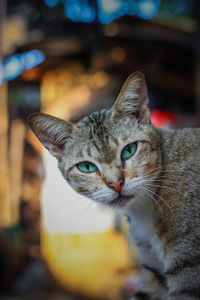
[133,99]
[52,132]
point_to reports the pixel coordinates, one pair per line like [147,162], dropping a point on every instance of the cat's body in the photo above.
[168,236]
[116,157]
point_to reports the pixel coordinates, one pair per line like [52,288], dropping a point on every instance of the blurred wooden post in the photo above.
[17,135]
[5,213]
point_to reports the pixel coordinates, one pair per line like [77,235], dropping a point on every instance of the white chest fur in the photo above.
[142,228]
[141,214]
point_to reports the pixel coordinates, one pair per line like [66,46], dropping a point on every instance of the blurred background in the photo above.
[69,58]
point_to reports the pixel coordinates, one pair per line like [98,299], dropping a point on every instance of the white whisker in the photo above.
[152,170]
[81,214]
[166,187]
[149,195]
[162,199]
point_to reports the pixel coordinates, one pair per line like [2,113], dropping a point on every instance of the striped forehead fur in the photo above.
[94,125]
[94,118]
[99,126]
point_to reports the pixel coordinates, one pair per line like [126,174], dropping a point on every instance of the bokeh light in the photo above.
[147,9]
[17,63]
[51,3]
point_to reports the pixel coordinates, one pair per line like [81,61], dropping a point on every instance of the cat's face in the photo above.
[110,156]
[108,159]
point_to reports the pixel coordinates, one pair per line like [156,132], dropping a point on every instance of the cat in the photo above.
[118,158]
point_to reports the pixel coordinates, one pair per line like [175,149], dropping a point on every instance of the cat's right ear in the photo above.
[133,99]
[52,132]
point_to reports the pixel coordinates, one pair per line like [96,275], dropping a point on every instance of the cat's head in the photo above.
[111,155]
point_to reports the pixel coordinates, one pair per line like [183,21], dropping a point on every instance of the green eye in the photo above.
[87,167]
[128,151]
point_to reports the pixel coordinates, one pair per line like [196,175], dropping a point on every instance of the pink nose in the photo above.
[117,185]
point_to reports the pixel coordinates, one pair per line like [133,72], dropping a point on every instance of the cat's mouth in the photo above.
[121,201]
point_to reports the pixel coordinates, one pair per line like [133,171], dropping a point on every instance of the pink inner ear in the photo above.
[133,99]
[144,115]
[55,150]
[136,114]
[48,143]
[59,146]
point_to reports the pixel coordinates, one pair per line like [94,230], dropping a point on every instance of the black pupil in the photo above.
[87,166]
[129,149]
